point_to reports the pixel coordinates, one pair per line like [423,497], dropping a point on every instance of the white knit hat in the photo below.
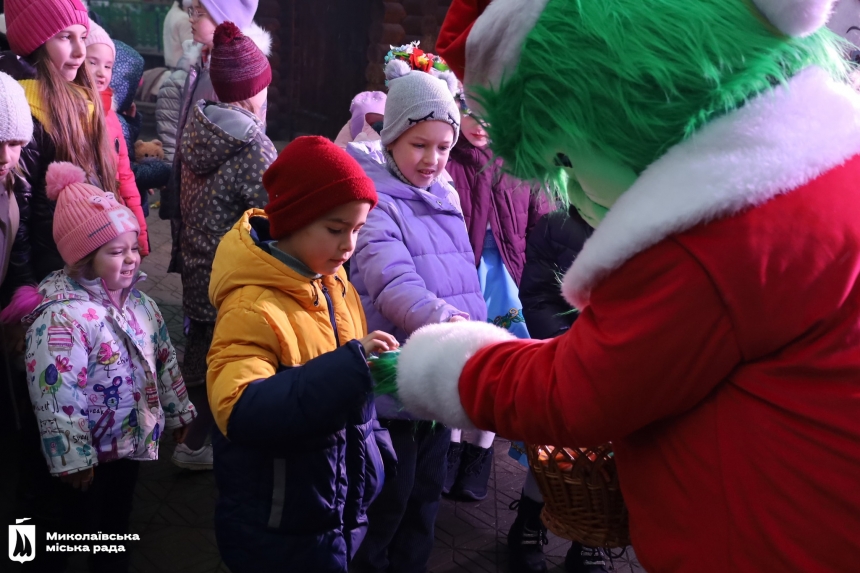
[16,123]
[416,96]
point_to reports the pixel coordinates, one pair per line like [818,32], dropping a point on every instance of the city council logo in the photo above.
[22,541]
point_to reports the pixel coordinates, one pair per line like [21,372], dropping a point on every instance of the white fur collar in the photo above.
[775,143]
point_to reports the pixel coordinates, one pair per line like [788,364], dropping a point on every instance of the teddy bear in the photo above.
[146,151]
[150,170]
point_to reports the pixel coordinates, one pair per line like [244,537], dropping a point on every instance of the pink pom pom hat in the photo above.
[86,217]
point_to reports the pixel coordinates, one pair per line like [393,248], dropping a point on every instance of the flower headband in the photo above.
[417,58]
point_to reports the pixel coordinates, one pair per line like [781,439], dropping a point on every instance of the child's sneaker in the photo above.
[475,466]
[581,559]
[189,459]
[455,454]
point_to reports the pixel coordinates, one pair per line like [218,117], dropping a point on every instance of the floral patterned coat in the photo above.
[104,381]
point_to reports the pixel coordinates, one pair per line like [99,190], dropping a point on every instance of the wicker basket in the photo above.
[582,497]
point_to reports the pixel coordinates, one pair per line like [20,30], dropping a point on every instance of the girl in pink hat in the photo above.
[47,38]
[101,372]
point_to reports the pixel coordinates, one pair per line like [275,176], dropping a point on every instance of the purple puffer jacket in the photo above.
[413,264]
[490,196]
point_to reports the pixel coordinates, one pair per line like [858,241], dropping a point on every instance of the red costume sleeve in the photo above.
[654,341]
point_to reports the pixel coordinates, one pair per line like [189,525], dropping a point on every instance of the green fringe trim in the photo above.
[383,371]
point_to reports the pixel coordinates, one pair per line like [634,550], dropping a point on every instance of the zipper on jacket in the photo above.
[331,315]
[316,293]
[342,286]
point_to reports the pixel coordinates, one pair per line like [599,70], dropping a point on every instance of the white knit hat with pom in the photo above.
[415,96]
[16,123]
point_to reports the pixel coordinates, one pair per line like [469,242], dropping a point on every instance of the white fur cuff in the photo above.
[430,364]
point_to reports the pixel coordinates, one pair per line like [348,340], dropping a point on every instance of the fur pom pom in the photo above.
[25,300]
[225,33]
[60,175]
[450,79]
[260,37]
[396,69]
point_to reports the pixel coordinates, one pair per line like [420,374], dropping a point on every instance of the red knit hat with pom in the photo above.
[85,217]
[237,68]
[309,178]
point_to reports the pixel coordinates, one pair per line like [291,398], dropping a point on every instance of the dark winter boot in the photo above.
[527,537]
[475,466]
[455,454]
[581,559]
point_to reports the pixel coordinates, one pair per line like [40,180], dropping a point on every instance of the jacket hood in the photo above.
[127,73]
[217,132]
[241,262]
[372,161]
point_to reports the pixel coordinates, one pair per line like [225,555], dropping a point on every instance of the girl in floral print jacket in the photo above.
[101,370]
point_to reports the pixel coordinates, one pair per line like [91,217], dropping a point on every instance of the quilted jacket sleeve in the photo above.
[392,281]
[178,409]
[167,110]
[52,379]
[626,362]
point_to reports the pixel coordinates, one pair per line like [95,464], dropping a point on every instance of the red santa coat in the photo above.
[718,345]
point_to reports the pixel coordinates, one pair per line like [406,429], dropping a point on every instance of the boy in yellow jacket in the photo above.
[299,455]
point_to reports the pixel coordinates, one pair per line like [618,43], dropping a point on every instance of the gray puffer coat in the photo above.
[170,97]
[225,152]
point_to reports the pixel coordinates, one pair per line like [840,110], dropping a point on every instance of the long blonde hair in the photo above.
[72,125]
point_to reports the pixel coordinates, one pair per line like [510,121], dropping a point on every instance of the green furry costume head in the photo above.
[625,80]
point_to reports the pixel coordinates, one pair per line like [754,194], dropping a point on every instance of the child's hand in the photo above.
[81,480]
[179,434]
[378,341]
[457,318]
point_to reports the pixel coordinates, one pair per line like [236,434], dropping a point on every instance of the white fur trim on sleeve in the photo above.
[430,364]
[796,17]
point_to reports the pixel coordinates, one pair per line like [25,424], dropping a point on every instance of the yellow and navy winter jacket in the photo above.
[297,458]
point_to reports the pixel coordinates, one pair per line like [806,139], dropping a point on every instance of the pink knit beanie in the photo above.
[85,217]
[31,23]
[99,35]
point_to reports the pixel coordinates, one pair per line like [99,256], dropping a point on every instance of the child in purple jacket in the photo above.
[413,265]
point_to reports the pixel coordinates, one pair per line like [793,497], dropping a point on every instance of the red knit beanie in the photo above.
[309,178]
[237,68]
[31,23]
